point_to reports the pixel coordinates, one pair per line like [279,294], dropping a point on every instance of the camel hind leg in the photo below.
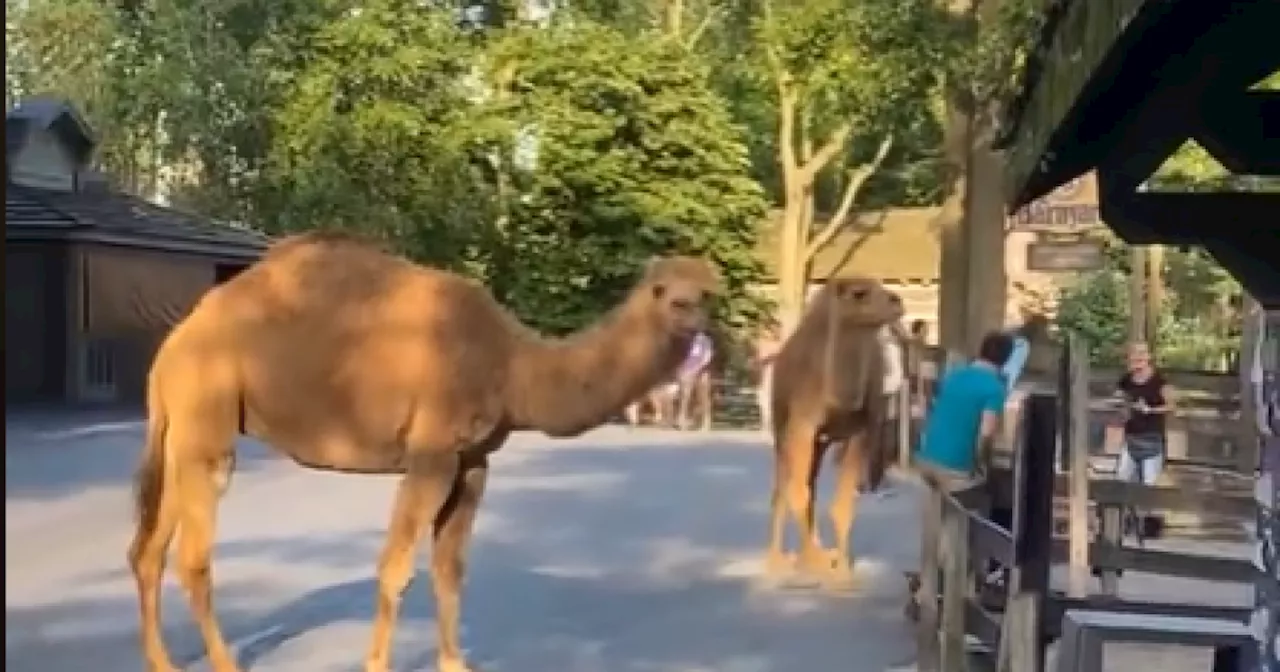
[799,453]
[202,479]
[850,459]
[147,554]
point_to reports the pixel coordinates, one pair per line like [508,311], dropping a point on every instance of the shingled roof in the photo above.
[113,217]
[93,211]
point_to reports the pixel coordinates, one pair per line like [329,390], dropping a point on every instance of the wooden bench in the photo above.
[1085,631]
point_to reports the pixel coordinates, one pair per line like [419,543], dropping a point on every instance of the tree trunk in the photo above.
[673,17]
[953,295]
[1154,279]
[1137,294]
[987,290]
[792,269]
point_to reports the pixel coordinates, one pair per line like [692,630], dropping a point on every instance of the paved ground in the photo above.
[621,551]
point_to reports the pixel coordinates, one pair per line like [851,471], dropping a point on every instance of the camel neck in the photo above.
[564,387]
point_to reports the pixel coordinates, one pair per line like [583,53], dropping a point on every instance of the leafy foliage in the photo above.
[637,156]
[1198,324]
[551,163]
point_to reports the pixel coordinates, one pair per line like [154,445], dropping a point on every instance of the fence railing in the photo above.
[1009,522]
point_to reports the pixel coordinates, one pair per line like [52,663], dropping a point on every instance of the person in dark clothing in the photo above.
[1148,400]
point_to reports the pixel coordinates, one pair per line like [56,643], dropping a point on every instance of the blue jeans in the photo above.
[1142,458]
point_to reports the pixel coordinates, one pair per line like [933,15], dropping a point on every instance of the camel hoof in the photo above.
[453,665]
[776,563]
[817,564]
[840,575]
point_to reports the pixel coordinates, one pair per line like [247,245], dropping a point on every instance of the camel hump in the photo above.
[681,268]
[326,238]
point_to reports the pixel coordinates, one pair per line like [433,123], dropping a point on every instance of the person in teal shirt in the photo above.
[965,416]
[966,411]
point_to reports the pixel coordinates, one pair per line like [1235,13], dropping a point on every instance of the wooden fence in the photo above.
[1015,622]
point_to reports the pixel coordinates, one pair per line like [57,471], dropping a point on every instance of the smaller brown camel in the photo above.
[828,382]
[349,359]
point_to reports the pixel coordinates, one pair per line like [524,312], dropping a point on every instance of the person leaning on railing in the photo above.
[962,424]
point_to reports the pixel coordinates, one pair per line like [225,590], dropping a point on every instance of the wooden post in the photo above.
[956,585]
[1020,637]
[904,427]
[1112,535]
[1247,434]
[928,656]
[1078,527]
[1020,649]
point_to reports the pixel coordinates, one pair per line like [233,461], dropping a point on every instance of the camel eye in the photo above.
[859,294]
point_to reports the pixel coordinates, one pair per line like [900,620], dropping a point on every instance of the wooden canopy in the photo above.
[1119,85]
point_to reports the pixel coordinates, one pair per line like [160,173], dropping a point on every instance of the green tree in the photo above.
[551,162]
[985,47]
[1198,325]
[842,75]
[78,50]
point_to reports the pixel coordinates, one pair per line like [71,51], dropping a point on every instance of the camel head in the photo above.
[864,301]
[676,294]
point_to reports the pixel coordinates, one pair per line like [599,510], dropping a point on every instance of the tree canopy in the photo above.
[545,148]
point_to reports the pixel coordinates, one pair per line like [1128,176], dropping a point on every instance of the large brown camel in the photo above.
[346,358]
[828,382]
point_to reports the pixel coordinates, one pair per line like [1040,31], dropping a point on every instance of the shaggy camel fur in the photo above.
[828,392]
[346,358]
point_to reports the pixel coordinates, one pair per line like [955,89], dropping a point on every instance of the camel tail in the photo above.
[148,483]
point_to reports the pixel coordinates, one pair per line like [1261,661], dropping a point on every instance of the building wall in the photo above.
[35,322]
[129,299]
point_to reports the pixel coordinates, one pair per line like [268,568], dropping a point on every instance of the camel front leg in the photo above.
[775,555]
[423,492]
[800,451]
[452,537]
[850,472]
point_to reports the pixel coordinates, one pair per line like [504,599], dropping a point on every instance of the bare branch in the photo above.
[703,26]
[855,245]
[834,145]
[857,178]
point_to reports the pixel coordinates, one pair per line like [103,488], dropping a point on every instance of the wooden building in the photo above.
[94,277]
[902,248]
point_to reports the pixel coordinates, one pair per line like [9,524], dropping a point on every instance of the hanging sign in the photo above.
[1071,207]
[1061,256]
